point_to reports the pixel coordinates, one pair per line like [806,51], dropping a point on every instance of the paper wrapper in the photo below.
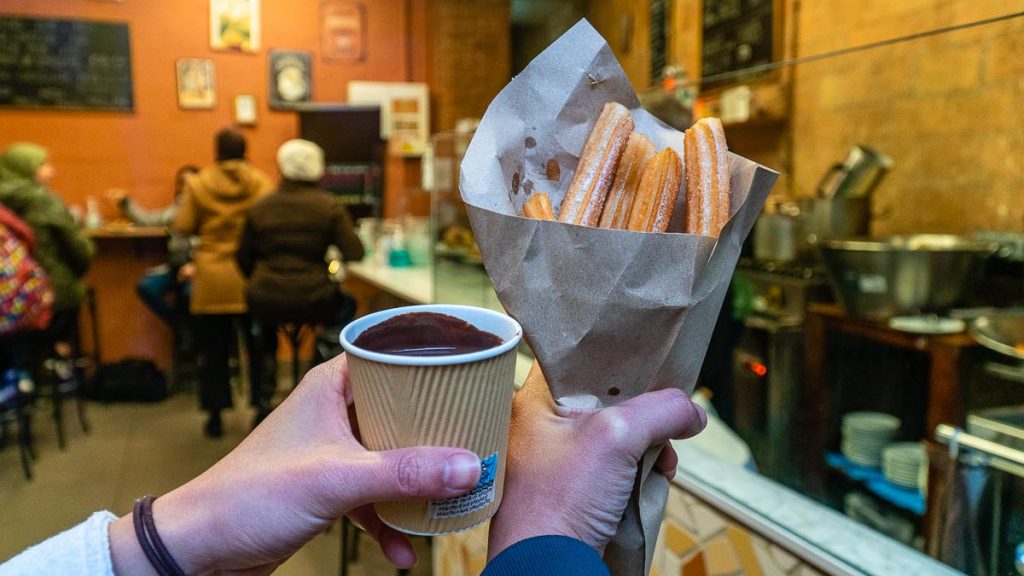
[609,313]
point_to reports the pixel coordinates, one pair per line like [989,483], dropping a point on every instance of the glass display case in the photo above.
[458,271]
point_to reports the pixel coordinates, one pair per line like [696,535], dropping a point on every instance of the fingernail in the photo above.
[461,471]
[702,416]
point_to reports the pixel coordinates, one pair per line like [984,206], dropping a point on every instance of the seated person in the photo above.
[282,248]
[61,249]
[162,281]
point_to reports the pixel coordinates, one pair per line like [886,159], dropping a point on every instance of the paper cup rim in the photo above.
[358,325]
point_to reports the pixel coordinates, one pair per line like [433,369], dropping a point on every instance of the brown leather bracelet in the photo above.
[145,531]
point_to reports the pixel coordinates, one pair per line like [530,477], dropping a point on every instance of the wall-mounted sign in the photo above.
[54,63]
[291,80]
[235,25]
[342,26]
[737,34]
[405,113]
[196,84]
[245,109]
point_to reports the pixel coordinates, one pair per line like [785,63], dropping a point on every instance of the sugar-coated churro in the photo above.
[539,207]
[707,177]
[595,171]
[639,151]
[656,195]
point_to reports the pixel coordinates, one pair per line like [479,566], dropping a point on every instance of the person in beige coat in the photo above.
[214,206]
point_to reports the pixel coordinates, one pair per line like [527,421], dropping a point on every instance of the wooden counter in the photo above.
[126,327]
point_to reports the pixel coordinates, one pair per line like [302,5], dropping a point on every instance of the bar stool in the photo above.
[15,409]
[294,332]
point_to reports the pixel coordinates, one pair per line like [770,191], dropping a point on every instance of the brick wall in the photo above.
[949,109]
[470,59]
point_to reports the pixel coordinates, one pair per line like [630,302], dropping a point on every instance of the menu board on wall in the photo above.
[737,34]
[51,63]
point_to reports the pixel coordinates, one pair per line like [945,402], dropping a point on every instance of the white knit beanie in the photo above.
[301,161]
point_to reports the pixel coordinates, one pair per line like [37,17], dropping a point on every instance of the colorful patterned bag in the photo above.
[26,298]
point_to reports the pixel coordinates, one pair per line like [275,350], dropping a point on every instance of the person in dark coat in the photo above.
[282,248]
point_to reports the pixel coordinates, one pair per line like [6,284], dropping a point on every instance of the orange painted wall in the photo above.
[141,150]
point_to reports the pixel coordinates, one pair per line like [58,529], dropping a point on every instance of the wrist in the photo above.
[186,528]
[183,527]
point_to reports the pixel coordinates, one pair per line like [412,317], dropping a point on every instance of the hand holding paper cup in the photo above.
[436,375]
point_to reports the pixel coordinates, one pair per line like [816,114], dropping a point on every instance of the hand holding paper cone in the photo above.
[609,314]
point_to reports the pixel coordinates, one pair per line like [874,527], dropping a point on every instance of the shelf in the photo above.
[874,481]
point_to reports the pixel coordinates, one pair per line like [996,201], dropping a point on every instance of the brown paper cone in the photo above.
[609,314]
[466,405]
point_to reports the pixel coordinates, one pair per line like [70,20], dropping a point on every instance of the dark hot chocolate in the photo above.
[425,334]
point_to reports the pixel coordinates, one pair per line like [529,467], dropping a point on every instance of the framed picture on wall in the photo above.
[342,30]
[235,25]
[196,84]
[291,80]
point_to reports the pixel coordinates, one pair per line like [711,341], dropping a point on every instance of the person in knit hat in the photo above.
[282,250]
[213,207]
[61,248]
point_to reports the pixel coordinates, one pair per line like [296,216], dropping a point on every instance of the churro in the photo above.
[656,195]
[639,151]
[595,171]
[539,207]
[707,177]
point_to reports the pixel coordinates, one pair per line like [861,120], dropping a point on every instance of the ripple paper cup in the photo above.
[460,400]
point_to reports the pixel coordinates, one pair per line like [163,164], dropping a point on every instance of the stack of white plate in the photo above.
[903,463]
[866,434]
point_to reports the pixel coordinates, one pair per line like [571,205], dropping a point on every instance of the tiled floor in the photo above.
[137,449]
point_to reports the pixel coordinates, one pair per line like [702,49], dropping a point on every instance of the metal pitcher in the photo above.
[857,177]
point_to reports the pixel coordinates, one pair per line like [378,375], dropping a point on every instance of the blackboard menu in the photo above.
[50,63]
[737,35]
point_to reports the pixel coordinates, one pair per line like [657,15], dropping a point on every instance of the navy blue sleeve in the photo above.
[545,555]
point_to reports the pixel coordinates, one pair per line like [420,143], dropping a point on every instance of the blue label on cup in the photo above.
[479,498]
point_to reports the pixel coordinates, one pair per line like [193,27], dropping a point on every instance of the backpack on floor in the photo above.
[130,380]
[26,298]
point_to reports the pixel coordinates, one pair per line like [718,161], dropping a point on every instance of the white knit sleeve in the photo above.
[84,549]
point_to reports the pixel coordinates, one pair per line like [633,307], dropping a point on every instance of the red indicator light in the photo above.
[757,368]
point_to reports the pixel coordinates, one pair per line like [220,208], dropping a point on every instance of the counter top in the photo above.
[414,284]
[127,232]
[826,538]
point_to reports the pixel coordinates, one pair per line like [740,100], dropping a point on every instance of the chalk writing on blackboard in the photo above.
[737,34]
[52,63]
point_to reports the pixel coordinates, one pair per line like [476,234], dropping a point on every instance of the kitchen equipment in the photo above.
[776,236]
[857,177]
[767,362]
[903,462]
[866,434]
[1002,332]
[882,277]
[984,532]
[835,217]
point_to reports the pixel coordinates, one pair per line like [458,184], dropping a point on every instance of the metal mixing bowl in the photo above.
[1002,332]
[884,277]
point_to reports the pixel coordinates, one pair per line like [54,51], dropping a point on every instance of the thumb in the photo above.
[422,473]
[649,419]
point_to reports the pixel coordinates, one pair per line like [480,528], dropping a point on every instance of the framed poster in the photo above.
[245,110]
[342,30]
[235,25]
[196,88]
[291,80]
[405,113]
